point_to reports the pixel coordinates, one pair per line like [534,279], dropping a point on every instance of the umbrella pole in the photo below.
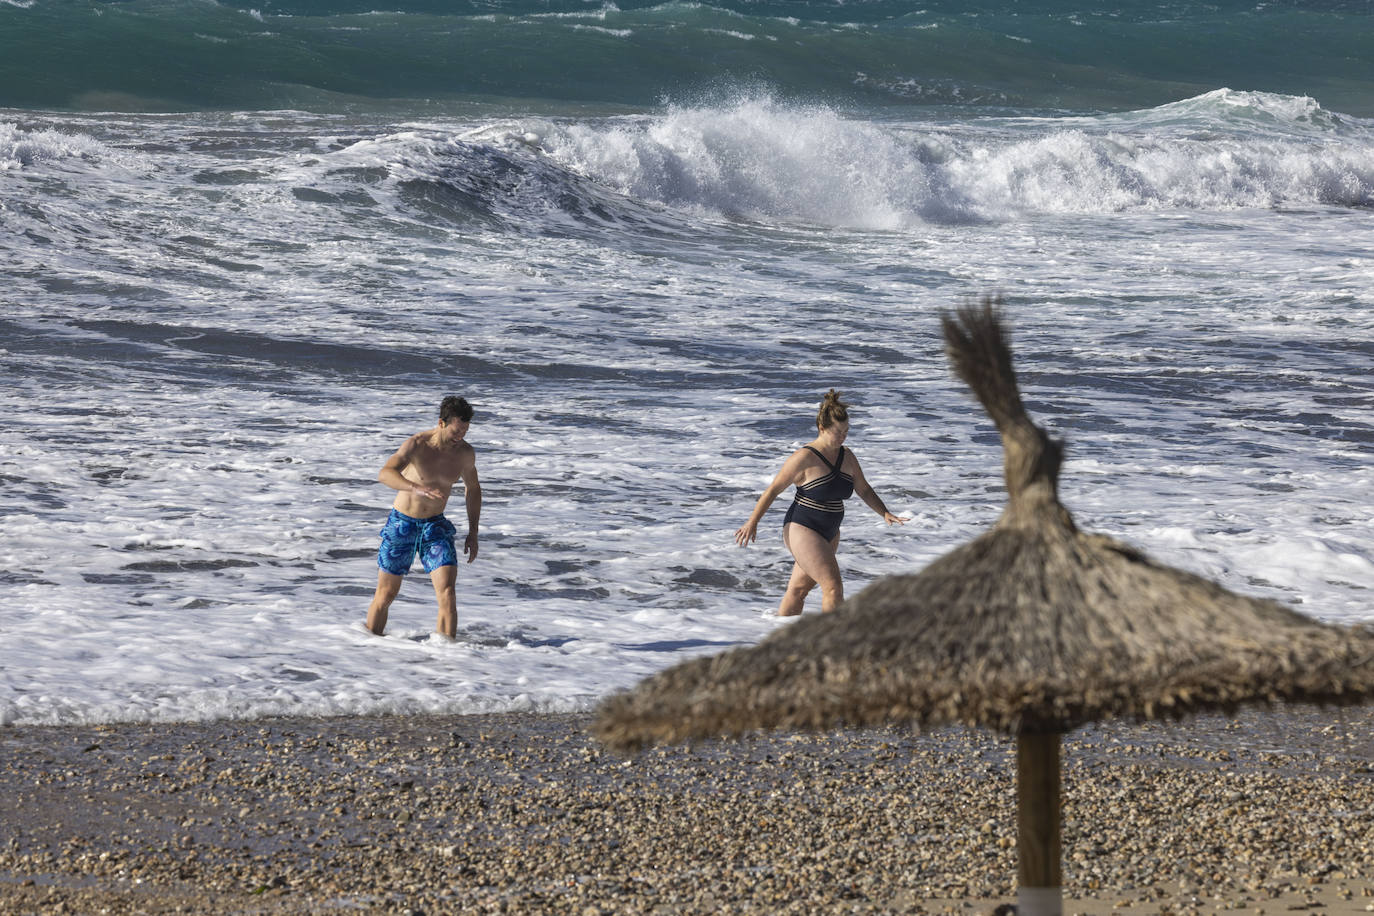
[1037,825]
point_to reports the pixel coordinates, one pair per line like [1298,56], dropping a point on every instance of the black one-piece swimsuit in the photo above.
[819,505]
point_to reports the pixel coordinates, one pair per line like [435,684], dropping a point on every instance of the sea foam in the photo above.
[215,329]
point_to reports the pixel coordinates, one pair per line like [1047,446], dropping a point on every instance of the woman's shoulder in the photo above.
[802,458]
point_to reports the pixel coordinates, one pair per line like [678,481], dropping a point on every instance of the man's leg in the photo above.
[445,580]
[387,588]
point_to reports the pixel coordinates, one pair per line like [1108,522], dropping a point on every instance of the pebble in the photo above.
[527,814]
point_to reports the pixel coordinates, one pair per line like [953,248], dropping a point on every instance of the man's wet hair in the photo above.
[454,406]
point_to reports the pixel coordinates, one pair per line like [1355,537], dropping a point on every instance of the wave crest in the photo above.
[1241,110]
[754,159]
[20,148]
[759,159]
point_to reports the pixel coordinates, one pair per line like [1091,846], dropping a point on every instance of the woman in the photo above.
[825,474]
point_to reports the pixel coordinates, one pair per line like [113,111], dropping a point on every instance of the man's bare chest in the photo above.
[435,465]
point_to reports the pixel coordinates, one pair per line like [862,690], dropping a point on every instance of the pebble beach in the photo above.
[1268,812]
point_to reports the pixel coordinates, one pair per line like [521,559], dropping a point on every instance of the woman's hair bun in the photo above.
[832,411]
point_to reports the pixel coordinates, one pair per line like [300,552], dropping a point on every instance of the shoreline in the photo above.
[525,813]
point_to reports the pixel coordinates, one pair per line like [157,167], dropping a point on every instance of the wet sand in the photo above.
[1272,812]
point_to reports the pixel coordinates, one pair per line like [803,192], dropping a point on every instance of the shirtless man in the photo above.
[423,472]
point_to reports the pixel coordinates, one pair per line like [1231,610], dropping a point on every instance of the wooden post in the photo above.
[1037,825]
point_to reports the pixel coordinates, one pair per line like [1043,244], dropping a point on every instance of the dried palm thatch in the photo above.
[1031,628]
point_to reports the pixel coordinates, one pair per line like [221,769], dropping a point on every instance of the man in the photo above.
[423,472]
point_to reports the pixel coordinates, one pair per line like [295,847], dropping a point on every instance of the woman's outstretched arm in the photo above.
[865,491]
[791,473]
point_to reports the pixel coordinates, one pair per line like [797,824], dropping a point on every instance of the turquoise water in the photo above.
[165,55]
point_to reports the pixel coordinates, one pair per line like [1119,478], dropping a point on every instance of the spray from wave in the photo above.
[21,148]
[762,160]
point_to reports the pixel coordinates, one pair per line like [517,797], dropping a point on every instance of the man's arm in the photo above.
[472,493]
[391,475]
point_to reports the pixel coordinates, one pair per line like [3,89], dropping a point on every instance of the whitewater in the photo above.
[215,326]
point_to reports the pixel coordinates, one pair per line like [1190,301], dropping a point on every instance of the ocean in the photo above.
[246,248]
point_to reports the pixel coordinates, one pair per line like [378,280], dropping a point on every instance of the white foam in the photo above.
[615,33]
[754,158]
[20,148]
[770,161]
[216,328]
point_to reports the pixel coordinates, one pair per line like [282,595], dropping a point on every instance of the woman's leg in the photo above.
[799,585]
[816,565]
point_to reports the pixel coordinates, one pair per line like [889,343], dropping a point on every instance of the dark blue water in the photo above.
[166,55]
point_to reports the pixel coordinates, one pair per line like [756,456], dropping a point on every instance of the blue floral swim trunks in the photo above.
[404,537]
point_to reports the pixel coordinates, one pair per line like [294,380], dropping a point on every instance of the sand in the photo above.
[1269,813]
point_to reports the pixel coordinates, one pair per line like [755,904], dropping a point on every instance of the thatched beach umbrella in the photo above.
[1032,629]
